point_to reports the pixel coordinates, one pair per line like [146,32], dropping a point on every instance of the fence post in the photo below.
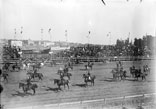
[104,100]
[123,102]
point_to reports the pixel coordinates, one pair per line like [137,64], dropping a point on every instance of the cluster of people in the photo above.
[82,51]
[11,52]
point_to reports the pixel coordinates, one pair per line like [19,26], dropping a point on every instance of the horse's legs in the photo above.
[64,86]
[59,87]
[68,85]
[6,79]
[34,91]
[93,82]
[69,77]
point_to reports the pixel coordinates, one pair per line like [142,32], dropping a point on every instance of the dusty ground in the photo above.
[104,87]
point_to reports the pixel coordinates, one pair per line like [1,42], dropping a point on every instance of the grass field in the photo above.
[105,86]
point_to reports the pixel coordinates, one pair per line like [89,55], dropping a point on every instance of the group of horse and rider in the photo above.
[119,72]
[139,72]
[64,75]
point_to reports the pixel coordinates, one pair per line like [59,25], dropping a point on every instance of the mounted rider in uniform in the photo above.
[28,82]
[89,75]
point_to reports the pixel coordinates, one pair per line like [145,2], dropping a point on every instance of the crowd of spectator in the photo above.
[139,47]
[11,52]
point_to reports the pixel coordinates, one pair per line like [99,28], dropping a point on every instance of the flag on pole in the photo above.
[103,2]
[49,30]
[88,34]
[15,31]
[21,30]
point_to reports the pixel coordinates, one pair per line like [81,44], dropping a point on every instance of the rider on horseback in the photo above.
[88,63]
[28,82]
[89,76]
[35,71]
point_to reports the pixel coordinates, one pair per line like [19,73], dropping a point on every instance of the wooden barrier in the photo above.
[104,100]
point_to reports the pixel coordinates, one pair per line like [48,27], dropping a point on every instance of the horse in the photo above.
[132,71]
[25,87]
[138,74]
[70,65]
[33,75]
[52,63]
[89,66]
[63,73]
[123,74]
[5,76]
[61,82]
[66,74]
[14,67]
[116,74]
[87,79]
[1,89]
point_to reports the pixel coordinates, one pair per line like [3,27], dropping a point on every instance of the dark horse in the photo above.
[138,74]
[132,71]
[26,87]
[1,88]
[35,75]
[16,66]
[89,65]
[60,82]
[64,73]
[87,79]
[69,65]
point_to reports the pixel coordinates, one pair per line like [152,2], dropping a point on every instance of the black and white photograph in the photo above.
[77,54]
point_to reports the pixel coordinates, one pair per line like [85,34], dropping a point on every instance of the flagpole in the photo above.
[66,35]
[41,34]
[50,33]
[88,36]
[15,34]
[21,32]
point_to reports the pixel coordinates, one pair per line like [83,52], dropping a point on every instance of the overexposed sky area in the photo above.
[106,23]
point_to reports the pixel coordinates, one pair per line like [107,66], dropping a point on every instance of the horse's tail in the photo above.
[1,88]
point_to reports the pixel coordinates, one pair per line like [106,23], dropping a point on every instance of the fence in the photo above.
[99,103]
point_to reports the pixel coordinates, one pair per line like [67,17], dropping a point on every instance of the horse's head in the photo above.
[20,85]
[55,81]
[84,76]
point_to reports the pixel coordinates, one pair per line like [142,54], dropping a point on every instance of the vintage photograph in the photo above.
[77,54]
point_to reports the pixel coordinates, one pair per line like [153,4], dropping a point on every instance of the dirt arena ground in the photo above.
[105,86]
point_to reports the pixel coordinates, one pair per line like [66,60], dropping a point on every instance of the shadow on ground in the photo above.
[22,94]
[53,89]
[79,85]
[83,69]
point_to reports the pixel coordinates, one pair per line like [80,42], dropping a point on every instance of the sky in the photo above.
[119,19]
